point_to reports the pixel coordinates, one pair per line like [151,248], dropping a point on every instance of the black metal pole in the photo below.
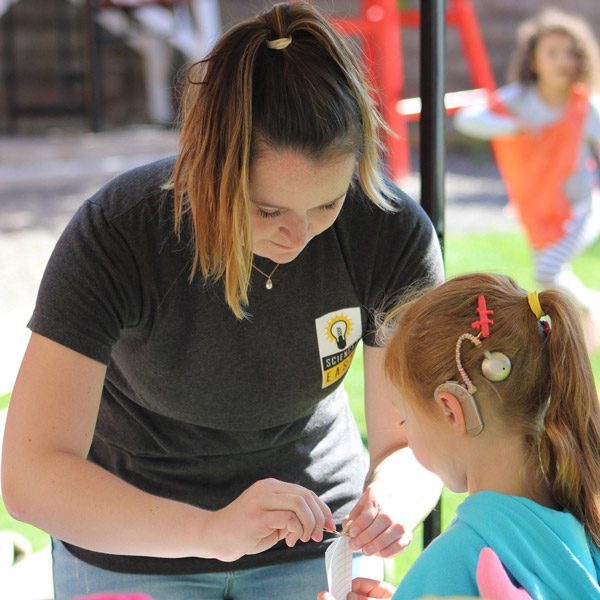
[433,148]
[432,124]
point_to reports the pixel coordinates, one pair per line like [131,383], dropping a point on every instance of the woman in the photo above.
[178,424]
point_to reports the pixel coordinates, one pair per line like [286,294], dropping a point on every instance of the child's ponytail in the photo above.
[569,442]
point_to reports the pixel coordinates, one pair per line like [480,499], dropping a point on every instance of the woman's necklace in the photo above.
[269,282]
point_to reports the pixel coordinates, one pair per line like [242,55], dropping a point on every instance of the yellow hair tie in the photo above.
[534,303]
[279,43]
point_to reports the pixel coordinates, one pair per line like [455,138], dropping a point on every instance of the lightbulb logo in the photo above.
[338,329]
[338,334]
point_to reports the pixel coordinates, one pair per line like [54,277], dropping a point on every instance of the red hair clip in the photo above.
[484,321]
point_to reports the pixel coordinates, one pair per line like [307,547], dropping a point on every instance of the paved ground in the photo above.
[42,182]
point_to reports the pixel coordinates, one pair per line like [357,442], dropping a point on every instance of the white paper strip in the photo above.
[338,565]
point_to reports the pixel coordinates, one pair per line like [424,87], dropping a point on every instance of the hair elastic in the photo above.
[534,304]
[279,43]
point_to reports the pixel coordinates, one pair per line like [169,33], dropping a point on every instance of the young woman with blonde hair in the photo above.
[178,424]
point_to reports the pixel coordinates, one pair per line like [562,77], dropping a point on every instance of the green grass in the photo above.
[499,252]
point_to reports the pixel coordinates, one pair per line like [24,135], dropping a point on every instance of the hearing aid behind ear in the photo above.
[473,420]
[495,367]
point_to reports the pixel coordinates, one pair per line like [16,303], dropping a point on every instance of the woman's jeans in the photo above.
[299,580]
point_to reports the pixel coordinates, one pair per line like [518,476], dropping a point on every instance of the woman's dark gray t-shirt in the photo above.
[198,405]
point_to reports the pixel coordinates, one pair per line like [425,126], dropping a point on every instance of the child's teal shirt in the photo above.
[545,551]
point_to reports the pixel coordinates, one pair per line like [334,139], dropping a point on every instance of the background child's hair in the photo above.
[310,97]
[552,20]
[550,395]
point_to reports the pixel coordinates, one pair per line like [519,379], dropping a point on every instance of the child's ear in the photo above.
[460,407]
[452,411]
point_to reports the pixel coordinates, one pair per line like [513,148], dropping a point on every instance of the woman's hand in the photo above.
[268,511]
[374,525]
[364,589]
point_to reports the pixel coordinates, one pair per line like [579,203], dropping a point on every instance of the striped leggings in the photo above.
[552,264]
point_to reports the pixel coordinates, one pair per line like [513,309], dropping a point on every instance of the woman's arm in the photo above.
[399,493]
[47,481]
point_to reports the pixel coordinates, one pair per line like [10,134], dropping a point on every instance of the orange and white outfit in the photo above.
[547,158]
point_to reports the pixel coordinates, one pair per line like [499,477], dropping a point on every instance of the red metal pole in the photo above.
[463,16]
[387,45]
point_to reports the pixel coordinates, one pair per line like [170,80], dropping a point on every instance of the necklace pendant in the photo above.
[269,284]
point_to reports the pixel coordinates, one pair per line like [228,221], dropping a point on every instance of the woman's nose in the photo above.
[296,230]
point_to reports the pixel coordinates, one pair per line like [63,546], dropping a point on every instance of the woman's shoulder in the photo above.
[139,187]
[403,213]
[130,213]
[403,228]
[387,249]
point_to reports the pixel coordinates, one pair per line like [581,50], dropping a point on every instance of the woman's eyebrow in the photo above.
[269,205]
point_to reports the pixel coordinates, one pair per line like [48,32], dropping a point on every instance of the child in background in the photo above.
[545,131]
[498,399]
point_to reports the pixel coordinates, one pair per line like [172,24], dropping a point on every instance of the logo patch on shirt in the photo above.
[338,334]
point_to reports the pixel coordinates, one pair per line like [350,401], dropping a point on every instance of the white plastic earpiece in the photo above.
[495,366]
